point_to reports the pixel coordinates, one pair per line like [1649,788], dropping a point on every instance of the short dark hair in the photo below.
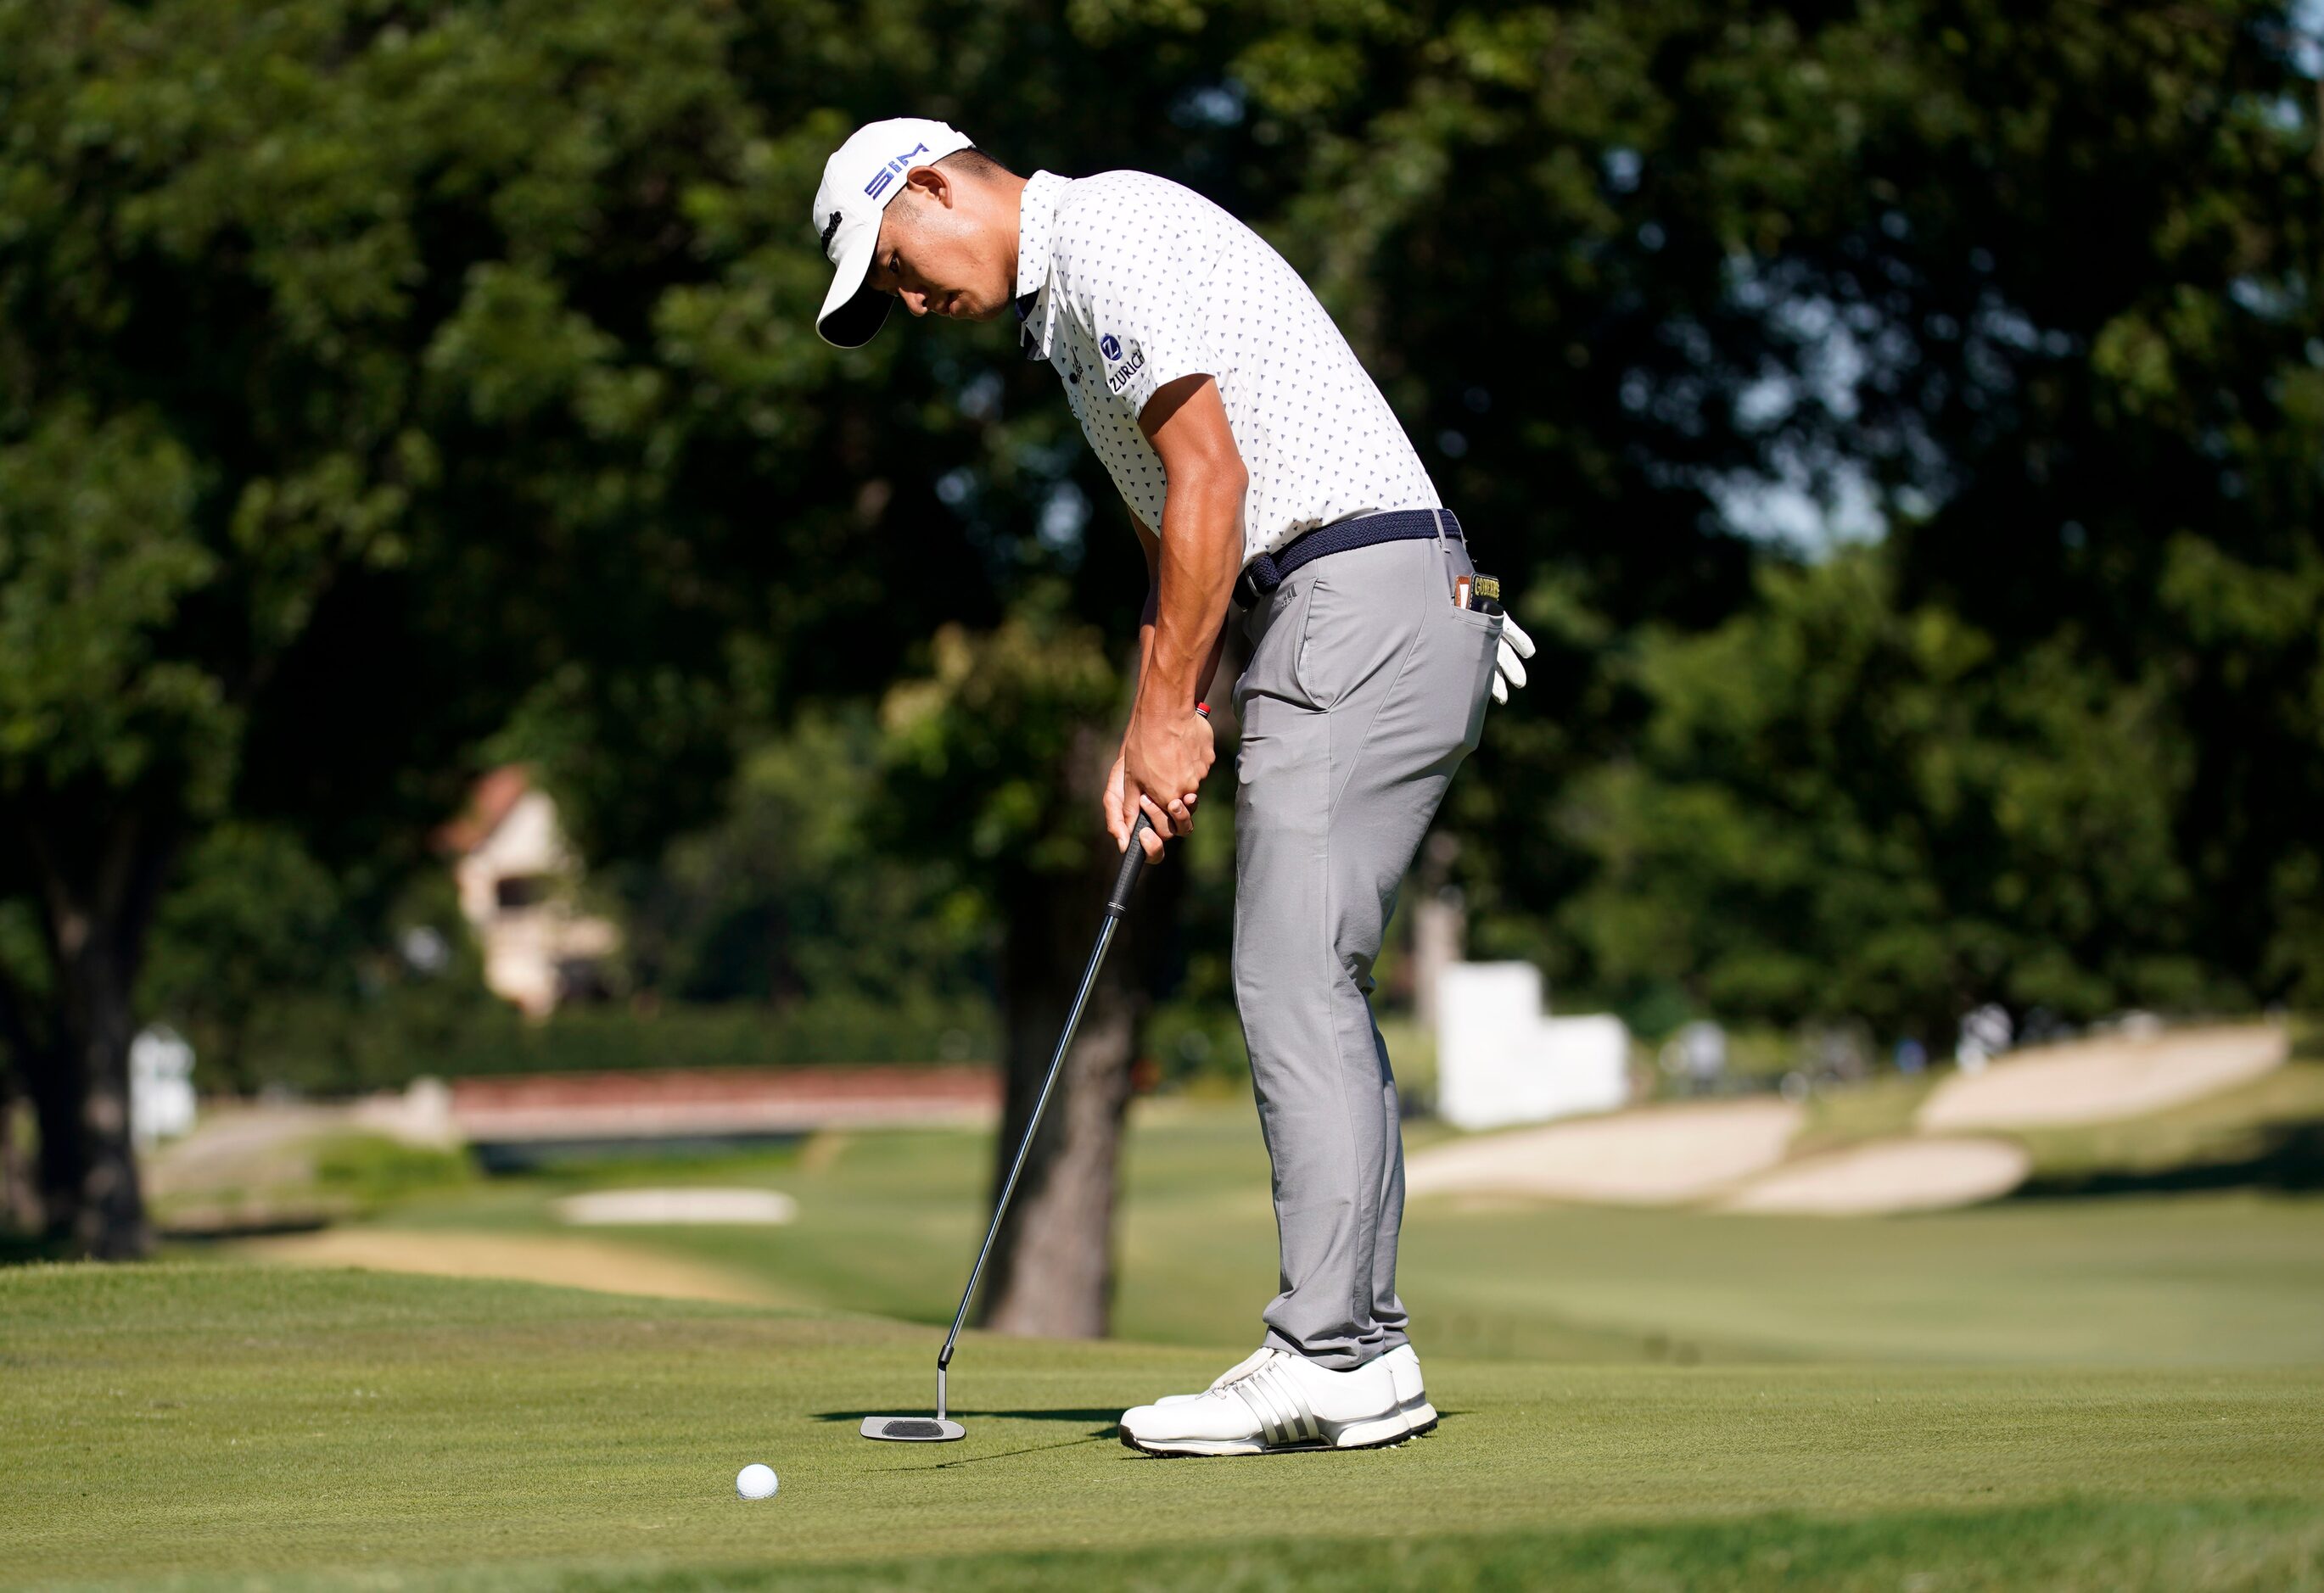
[973,162]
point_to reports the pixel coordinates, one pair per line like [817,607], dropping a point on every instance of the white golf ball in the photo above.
[756,1482]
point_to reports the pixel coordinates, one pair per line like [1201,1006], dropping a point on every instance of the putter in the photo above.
[942,1428]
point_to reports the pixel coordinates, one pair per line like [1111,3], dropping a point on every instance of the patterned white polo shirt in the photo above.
[1126,282]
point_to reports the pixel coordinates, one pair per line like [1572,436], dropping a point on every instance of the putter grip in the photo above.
[1118,904]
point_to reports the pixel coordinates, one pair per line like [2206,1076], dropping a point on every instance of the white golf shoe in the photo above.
[1403,1364]
[1274,1401]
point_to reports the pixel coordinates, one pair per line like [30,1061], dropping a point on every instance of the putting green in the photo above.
[200,1425]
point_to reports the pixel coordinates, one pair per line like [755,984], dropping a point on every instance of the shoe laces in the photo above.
[1264,1356]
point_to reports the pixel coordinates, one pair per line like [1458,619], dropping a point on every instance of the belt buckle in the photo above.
[1247,584]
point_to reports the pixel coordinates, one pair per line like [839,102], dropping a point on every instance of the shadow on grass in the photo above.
[1105,1417]
[20,1249]
[1102,1424]
[1110,1430]
[254,1228]
[1107,1427]
[1030,1449]
[2288,1157]
[1108,1416]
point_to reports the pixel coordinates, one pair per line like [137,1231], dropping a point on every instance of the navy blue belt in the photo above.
[1263,574]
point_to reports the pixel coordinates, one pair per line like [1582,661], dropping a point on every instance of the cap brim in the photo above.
[850,312]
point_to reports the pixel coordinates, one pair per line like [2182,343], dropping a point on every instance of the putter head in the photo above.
[913,1428]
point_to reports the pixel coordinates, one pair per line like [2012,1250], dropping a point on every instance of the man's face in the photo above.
[940,251]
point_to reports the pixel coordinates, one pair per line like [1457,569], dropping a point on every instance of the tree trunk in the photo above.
[1440,926]
[97,902]
[1051,1270]
[20,1207]
[89,1169]
[21,1199]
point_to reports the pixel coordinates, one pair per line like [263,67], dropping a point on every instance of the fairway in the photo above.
[887,1223]
[2082,1393]
[208,1426]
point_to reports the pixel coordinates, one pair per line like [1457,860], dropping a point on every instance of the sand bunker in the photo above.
[608,1207]
[1888,1176]
[1660,1156]
[2101,1080]
[533,1259]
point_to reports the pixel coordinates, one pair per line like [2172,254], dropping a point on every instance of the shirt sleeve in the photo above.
[1133,267]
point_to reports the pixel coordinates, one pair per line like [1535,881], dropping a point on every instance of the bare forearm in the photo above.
[1191,560]
[1146,631]
[1186,620]
[1204,676]
[1211,665]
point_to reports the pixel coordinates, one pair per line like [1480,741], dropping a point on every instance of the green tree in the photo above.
[250,917]
[338,405]
[1840,808]
[798,895]
[2040,280]
[378,382]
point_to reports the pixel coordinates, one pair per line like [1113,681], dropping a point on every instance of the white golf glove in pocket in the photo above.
[1508,663]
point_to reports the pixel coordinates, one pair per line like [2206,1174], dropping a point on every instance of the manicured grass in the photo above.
[2266,1132]
[205,1425]
[2269,1132]
[1879,1108]
[2076,1393]
[887,1223]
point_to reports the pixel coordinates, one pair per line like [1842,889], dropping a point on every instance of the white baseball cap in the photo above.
[859,180]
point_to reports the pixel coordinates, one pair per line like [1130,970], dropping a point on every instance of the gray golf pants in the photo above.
[1366,689]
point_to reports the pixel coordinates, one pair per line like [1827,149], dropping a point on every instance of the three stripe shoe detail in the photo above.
[1283,1418]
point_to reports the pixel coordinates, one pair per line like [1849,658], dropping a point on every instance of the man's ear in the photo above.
[936,185]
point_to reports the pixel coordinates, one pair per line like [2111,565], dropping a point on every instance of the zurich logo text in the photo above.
[1122,375]
[1109,346]
[888,174]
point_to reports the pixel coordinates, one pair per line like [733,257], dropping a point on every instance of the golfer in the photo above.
[1265,475]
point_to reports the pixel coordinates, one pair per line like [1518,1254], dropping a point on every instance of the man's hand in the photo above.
[1508,670]
[1160,771]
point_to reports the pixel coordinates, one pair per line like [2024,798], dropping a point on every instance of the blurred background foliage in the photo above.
[1899,421]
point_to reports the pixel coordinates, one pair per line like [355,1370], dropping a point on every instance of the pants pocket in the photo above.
[1348,632]
[1320,635]
[1275,635]
[1480,633]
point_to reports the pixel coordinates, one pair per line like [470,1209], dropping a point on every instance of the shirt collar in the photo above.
[1037,213]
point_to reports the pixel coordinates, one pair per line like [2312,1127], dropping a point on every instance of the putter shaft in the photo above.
[1116,907]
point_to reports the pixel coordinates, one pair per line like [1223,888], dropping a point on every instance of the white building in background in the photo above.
[517,878]
[160,1086]
[1502,1059]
